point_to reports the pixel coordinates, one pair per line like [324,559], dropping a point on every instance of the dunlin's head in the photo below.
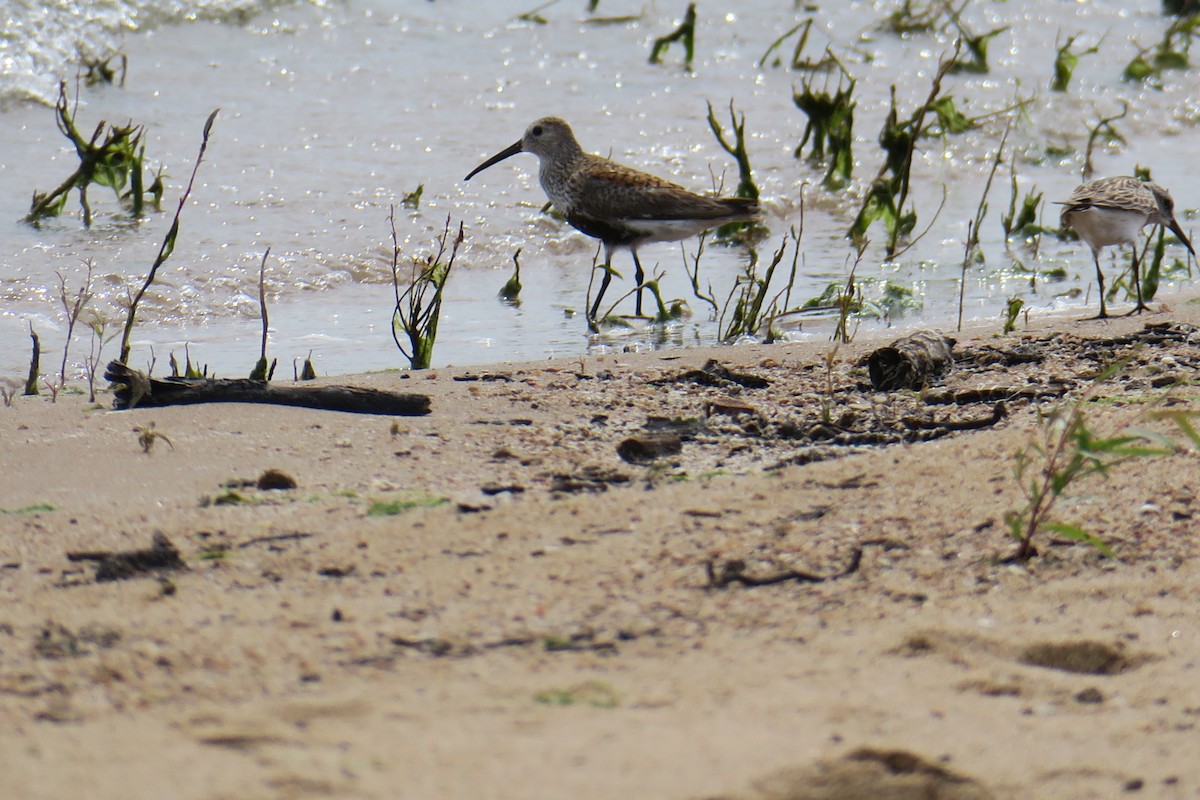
[1165,215]
[548,137]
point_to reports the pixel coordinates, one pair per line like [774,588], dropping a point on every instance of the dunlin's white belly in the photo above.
[669,230]
[1101,227]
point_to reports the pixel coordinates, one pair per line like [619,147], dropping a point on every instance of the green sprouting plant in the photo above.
[593,693]
[804,28]
[798,62]
[35,363]
[1065,61]
[168,243]
[73,307]
[830,128]
[949,118]
[664,312]
[1021,221]
[914,17]
[976,45]
[412,200]
[737,231]
[746,186]
[750,304]
[1103,129]
[972,252]
[415,314]
[1065,450]
[686,33]
[888,195]
[115,161]
[101,70]
[1012,310]
[191,370]
[849,300]
[693,273]
[895,301]
[262,370]
[391,508]
[1170,52]
[510,292]
[308,372]
[534,15]
[98,325]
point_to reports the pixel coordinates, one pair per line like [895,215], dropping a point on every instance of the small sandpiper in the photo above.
[1113,211]
[620,206]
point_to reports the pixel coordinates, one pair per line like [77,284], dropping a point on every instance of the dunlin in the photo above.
[1112,211]
[620,206]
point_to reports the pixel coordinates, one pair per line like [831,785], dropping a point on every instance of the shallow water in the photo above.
[330,112]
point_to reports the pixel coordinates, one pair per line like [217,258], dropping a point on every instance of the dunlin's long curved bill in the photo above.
[507,152]
[1178,231]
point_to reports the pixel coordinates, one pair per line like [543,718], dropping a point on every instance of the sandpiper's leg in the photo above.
[608,273]
[640,276]
[1137,284]
[1100,280]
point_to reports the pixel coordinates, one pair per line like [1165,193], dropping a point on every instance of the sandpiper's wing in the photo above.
[1121,194]
[604,190]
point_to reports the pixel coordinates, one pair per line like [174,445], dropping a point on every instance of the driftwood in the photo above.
[911,362]
[135,389]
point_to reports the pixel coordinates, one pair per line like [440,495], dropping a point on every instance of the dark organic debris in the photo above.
[275,479]
[485,376]
[1084,657]
[715,374]
[134,389]
[273,538]
[646,448]
[991,394]
[57,641]
[159,557]
[868,772]
[912,362]
[492,489]
[586,640]
[721,574]
[589,479]
[998,413]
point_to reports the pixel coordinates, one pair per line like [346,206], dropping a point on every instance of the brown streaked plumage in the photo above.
[1113,211]
[620,206]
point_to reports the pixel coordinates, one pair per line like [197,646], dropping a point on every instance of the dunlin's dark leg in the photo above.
[640,276]
[1100,280]
[600,294]
[1137,284]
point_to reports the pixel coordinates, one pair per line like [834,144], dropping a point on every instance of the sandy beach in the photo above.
[637,575]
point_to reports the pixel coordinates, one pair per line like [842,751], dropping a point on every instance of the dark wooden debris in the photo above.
[134,389]
[912,362]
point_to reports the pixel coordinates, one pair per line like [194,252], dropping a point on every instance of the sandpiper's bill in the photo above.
[1113,211]
[620,206]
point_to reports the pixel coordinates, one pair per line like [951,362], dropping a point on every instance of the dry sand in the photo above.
[537,618]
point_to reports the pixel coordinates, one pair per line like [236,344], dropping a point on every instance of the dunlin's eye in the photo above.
[537,130]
